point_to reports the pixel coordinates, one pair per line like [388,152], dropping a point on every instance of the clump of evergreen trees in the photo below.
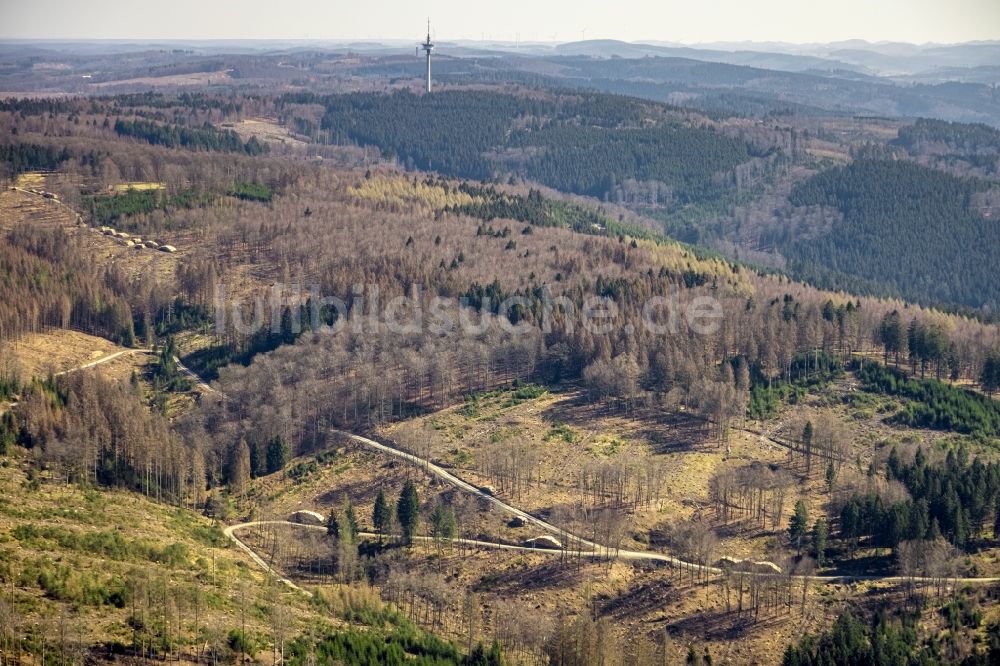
[405,646]
[17,158]
[106,209]
[885,639]
[934,404]
[251,191]
[954,500]
[206,137]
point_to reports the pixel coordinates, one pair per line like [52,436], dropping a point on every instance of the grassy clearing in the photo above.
[31,180]
[40,354]
[265,131]
[104,564]
[567,434]
[138,185]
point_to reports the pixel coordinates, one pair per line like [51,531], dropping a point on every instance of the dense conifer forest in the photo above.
[198,138]
[905,227]
[583,143]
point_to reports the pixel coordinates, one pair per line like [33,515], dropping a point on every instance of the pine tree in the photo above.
[408,511]
[996,521]
[443,525]
[831,476]
[990,377]
[807,439]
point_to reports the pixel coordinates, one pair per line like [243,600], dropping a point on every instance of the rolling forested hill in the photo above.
[581,143]
[905,227]
[951,144]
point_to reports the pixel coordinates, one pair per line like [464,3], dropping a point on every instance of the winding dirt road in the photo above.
[596,550]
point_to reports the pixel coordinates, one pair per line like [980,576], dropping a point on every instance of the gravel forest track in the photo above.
[595,550]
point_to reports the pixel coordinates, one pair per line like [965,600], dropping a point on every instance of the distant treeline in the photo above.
[963,138]
[34,106]
[204,138]
[191,100]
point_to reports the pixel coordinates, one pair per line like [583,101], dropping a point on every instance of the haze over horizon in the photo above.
[913,21]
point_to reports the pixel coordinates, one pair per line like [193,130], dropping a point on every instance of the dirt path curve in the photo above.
[198,381]
[50,199]
[230,533]
[440,472]
[103,359]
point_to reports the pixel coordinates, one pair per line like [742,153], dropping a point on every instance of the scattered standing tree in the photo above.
[443,524]
[820,533]
[408,511]
[278,454]
[333,524]
[350,520]
[807,441]
[892,336]
[799,525]
[239,469]
[381,514]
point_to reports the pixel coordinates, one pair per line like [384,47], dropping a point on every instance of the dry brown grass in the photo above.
[679,445]
[142,186]
[639,600]
[41,354]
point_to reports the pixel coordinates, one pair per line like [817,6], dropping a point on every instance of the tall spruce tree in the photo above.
[408,511]
[799,525]
[381,514]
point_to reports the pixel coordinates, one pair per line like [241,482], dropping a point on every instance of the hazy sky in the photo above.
[688,21]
